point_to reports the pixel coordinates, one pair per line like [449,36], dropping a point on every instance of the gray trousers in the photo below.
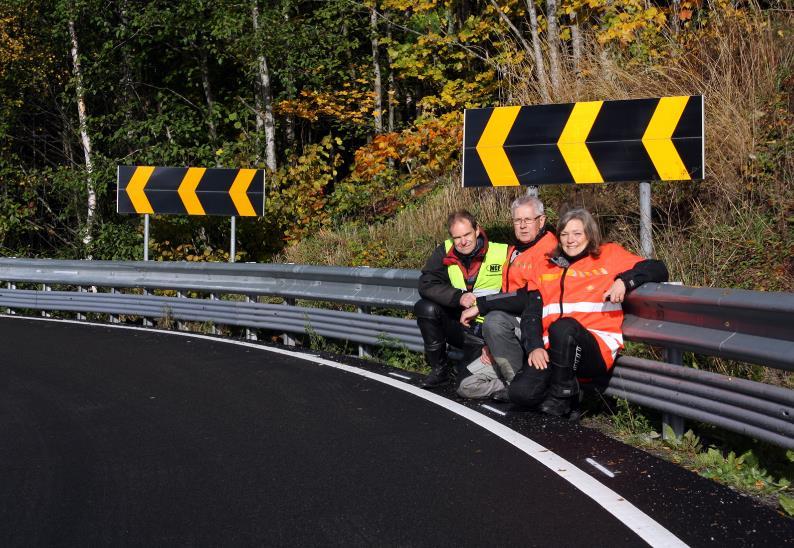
[482,383]
[502,332]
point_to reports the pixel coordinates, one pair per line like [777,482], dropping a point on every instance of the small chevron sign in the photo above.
[191,191]
[587,142]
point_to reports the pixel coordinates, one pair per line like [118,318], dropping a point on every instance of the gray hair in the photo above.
[525,200]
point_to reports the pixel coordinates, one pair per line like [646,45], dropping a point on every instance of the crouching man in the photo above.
[458,271]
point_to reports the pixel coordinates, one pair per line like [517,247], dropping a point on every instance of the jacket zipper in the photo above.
[562,288]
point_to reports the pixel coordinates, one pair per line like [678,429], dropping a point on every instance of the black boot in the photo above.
[562,392]
[441,371]
[439,376]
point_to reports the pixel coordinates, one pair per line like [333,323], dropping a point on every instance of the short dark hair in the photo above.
[461,215]
[591,231]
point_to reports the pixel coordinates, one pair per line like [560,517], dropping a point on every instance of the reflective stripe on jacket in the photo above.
[578,292]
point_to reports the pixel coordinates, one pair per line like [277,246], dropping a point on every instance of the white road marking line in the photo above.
[489,408]
[632,517]
[406,377]
[600,468]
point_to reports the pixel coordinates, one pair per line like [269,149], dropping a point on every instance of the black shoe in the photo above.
[558,407]
[501,396]
[437,377]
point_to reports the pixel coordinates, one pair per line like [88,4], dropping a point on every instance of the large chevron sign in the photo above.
[191,191]
[586,142]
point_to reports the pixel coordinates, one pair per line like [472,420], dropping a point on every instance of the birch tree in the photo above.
[82,114]
[540,71]
[377,90]
[540,66]
[553,31]
[264,97]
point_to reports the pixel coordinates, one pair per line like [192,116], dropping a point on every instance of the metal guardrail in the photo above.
[754,327]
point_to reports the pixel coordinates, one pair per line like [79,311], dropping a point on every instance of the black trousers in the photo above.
[440,325]
[573,352]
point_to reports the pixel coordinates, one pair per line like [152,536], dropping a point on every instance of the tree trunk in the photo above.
[377,90]
[264,100]
[540,66]
[289,84]
[392,87]
[86,140]
[205,82]
[130,93]
[554,43]
[576,44]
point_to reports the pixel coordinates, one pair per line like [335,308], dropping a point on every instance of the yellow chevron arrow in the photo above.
[238,192]
[490,147]
[572,142]
[658,139]
[135,189]
[187,190]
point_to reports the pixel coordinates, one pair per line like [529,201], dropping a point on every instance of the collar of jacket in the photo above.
[453,257]
[521,247]
[563,260]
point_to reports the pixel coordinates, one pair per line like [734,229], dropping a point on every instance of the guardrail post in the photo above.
[180,326]
[80,315]
[113,318]
[286,338]
[213,329]
[676,423]
[146,321]
[363,350]
[249,333]
[44,313]
[10,311]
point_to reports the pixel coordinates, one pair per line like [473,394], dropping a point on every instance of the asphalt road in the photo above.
[119,437]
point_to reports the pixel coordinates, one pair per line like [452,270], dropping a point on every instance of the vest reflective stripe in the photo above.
[489,278]
[567,308]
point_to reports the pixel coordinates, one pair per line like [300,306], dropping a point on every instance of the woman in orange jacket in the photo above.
[572,326]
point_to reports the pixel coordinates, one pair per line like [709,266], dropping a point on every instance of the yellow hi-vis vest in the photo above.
[489,278]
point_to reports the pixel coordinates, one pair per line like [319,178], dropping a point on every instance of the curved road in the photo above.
[132,437]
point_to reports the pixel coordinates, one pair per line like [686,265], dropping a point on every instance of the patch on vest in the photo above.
[494,268]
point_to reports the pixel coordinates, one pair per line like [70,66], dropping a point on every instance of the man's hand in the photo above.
[468,315]
[616,293]
[467,300]
[538,358]
[486,357]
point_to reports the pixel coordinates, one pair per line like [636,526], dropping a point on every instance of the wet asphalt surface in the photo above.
[118,437]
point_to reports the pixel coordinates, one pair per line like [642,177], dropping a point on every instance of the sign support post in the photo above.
[233,242]
[646,235]
[146,237]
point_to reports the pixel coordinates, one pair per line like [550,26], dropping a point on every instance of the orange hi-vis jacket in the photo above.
[578,292]
[518,271]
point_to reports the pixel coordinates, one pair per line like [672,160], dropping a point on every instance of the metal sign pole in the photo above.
[233,243]
[646,238]
[146,237]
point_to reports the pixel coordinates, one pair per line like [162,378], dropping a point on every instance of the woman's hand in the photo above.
[616,293]
[486,357]
[538,358]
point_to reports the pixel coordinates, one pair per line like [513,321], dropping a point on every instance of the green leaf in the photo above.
[787,503]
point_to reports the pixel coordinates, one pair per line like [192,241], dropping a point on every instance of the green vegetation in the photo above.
[716,460]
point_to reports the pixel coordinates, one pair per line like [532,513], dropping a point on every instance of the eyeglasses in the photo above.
[527,221]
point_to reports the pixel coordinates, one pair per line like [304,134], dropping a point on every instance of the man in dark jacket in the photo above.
[464,267]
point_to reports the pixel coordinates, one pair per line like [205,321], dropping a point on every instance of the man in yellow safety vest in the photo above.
[464,267]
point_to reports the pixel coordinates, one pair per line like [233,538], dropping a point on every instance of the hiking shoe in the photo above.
[558,407]
[501,396]
[437,377]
